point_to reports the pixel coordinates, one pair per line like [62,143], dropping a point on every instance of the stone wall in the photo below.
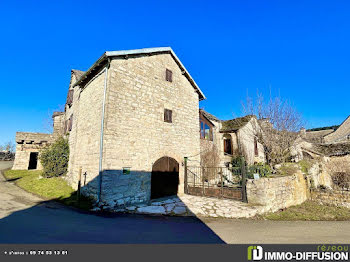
[84,138]
[331,197]
[278,192]
[246,136]
[123,190]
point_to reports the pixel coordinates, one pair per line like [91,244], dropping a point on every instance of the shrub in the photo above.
[54,158]
[262,169]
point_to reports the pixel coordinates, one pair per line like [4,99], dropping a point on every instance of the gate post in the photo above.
[222,182]
[185,176]
[244,180]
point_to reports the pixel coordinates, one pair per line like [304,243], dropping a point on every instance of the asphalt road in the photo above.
[25,218]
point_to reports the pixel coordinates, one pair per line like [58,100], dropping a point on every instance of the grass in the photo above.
[310,211]
[287,169]
[54,188]
[305,165]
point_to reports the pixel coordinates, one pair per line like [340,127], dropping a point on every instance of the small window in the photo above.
[206,131]
[168,75]
[168,116]
[256,150]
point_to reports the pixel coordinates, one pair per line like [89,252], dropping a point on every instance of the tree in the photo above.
[54,158]
[279,124]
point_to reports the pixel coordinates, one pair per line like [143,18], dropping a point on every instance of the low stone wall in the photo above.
[278,192]
[331,197]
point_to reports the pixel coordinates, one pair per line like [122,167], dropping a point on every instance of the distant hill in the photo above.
[335,127]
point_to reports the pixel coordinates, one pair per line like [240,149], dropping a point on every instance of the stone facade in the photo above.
[135,134]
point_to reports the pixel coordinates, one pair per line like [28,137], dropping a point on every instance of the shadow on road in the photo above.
[49,222]
[52,222]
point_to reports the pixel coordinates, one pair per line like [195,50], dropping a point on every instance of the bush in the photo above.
[262,169]
[54,158]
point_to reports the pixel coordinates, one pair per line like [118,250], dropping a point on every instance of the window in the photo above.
[228,144]
[168,116]
[70,97]
[168,75]
[206,131]
[256,150]
[71,122]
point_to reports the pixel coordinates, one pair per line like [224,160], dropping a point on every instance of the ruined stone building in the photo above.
[130,119]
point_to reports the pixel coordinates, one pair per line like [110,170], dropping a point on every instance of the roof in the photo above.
[235,124]
[209,116]
[78,73]
[135,52]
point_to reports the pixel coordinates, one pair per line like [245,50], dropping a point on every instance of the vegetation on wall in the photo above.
[54,158]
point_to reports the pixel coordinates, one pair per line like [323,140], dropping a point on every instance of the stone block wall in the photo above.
[278,192]
[122,190]
[84,138]
[331,197]
[136,135]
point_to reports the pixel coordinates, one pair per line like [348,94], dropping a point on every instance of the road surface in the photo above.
[25,218]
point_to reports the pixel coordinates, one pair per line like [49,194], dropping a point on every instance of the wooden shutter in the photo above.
[168,75]
[70,97]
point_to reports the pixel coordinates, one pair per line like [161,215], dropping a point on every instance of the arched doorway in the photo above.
[165,177]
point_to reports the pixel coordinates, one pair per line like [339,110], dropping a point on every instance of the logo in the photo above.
[255,253]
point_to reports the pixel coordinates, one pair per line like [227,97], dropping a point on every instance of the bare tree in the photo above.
[210,160]
[48,121]
[279,124]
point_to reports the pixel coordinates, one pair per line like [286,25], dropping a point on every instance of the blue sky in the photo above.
[299,49]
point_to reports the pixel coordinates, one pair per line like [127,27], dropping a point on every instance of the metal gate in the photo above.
[220,182]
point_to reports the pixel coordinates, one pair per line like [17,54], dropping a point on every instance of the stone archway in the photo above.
[165,177]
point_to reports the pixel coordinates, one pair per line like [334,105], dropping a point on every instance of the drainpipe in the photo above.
[101,136]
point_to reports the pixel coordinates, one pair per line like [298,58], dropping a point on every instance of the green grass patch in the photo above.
[288,169]
[305,165]
[54,188]
[310,211]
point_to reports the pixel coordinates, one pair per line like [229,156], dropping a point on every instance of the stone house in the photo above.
[232,137]
[130,120]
